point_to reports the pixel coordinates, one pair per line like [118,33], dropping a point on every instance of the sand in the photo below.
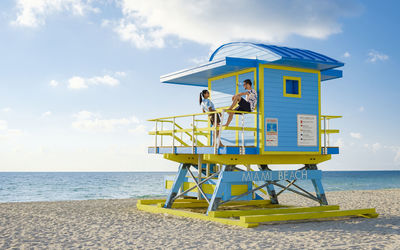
[108,224]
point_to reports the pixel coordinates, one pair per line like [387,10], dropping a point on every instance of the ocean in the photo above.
[58,186]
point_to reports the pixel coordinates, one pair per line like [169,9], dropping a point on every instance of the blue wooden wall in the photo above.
[286,108]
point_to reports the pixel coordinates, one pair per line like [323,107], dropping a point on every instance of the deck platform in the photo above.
[252,213]
[228,150]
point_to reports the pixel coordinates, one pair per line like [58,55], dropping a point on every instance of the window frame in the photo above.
[285,78]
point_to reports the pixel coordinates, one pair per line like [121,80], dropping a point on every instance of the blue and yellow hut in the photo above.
[286,127]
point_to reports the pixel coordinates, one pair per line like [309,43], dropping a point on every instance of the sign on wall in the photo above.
[271,132]
[307,130]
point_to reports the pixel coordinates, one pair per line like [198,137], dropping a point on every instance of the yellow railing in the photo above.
[326,131]
[193,129]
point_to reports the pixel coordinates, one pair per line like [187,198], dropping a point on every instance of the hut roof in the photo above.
[236,56]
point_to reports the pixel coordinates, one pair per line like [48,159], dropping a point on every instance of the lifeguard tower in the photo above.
[238,181]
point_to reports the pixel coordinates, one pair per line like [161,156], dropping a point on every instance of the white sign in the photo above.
[307,130]
[271,132]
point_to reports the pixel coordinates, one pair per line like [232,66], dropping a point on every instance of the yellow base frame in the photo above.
[249,159]
[262,211]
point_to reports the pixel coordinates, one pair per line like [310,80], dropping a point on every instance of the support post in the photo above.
[270,187]
[178,182]
[218,191]
[199,168]
[319,191]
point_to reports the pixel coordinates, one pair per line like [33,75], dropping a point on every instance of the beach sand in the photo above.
[118,224]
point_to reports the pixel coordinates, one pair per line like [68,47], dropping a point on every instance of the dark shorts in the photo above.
[212,119]
[243,106]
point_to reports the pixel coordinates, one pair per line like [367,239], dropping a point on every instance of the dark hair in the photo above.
[202,93]
[248,81]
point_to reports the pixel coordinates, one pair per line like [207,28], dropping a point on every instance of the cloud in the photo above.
[54,83]
[85,115]
[139,130]
[6,109]
[6,132]
[339,142]
[397,156]
[374,147]
[356,135]
[120,74]
[374,56]
[3,125]
[148,24]
[47,113]
[33,13]
[91,122]
[361,109]
[346,54]
[199,60]
[79,82]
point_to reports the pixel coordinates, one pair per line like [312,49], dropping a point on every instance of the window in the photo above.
[292,86]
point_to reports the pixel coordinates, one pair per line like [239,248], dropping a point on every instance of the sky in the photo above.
[79,78]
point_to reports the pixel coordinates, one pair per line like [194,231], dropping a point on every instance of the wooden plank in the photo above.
[305,216]
[154,209]
[204,204]
[148,202]
[156,201]
[238,213]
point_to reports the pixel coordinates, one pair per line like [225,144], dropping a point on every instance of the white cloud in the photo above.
[361,109]
[33,13]
[3,125]
[148,23]
[78,82]
[346,54]
[339,142]
[6,109]
[88,121]
[47,113]
[355,135]
[120,74]
[138,35]
[105,80]
[373,147]
[374,56]
[199,60]
[54,83]
[138,130]
[85,115]
[6,132]
[397,156]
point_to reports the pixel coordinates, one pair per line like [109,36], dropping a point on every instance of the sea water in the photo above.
[57,186]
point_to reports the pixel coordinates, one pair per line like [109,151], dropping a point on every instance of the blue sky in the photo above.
[79,78]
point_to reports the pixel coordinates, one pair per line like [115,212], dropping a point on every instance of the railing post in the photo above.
[155,143]
[193,141]
[215,134]
[327,127]
[242,133]
[173,135]
[325,149]
[220,131]
[162,127]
